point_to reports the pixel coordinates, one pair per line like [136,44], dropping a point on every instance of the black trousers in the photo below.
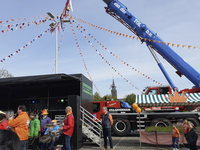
[193,147]
[107,133]
[35,144]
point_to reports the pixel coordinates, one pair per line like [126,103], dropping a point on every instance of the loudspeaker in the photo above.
[76,139]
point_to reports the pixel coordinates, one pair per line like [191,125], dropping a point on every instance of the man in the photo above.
[191,136]
[44,121]
[107,122]
[20,126]
[68,128]
[3,121]
[34,129]
[54,139]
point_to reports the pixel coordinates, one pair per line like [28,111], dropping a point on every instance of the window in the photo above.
[153,92]
[96,107]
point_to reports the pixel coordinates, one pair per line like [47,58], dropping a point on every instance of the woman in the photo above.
[9,140]
[191,136]
[3,121]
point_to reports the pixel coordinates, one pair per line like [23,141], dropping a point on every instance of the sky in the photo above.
[174,21]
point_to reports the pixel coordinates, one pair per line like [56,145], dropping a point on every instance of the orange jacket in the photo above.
[20,126]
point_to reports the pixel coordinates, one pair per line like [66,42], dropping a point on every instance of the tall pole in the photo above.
[56,68]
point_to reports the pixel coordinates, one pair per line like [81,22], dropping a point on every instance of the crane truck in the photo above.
[126,119]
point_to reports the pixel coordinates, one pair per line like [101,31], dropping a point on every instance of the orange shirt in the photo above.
[185,127]
[175,132]
[20,125]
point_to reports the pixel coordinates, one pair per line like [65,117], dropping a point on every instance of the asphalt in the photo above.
[130,142]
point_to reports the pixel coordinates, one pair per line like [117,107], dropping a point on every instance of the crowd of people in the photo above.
[190,134]
[17,132]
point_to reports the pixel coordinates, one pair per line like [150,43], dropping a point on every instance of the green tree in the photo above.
[97,97]
[109,96]
[130,98]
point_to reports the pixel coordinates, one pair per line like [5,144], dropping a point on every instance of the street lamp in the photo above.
[52,25]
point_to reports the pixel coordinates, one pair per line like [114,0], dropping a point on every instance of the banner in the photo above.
[81,54]
[84,33]
[136,38]
[103,58]
[26,45]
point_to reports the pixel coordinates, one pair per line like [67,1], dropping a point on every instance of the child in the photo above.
[185,126]
[175,137]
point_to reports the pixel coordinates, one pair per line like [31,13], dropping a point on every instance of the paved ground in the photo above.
[130,142]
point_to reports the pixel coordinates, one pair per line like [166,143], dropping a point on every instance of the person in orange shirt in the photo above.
[20,126]
[175,137]
[107,122]
[185,127]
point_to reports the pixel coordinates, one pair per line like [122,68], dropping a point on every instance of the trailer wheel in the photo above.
[160,122]
[194,122]
[121,127]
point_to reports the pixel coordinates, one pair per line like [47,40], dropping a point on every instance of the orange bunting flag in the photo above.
[149,40]
[130,36]
[103,28]
[126,35]
[168,44]
[141,38]
[91,36]
[184,46]
[173,44]
[111,32]
[123,35]
[116,56]
[137,38]
[145,39]
[113,54]
[120,34]
[159,42]
[114,32]
[133,37]
[124,62]
[189,47]
[154,41]
[163,43]
[194,47]
[178,45]
[108,30]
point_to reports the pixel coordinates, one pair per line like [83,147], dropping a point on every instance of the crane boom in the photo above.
[142,31]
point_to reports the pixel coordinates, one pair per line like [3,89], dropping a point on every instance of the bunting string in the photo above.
[11,20]
[103,58]
[23,47]
[84,33]
[13,27]
[84,63]
[136,38]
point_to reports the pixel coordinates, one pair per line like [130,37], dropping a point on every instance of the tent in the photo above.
[161,100]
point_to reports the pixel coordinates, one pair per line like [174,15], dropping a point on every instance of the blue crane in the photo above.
[120,12]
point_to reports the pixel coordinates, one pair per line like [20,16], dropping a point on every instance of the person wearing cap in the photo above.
[3,121]
[20,126]
[34,130]
[54,139]
[44,121]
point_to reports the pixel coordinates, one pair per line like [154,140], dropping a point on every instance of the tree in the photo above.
[97,97]
[109,96]
[5,74]
[130,98]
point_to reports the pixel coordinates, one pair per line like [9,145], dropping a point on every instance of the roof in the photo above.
[161,100]
[37,78]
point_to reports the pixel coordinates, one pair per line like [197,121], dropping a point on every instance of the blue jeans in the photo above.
[24,145]
[66,142]
[175,139]
[107,133]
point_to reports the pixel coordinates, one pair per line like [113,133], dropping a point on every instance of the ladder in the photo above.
[91,127]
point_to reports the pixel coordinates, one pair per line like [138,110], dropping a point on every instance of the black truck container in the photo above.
[53,92]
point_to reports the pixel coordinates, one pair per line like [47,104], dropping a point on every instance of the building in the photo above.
[114,90]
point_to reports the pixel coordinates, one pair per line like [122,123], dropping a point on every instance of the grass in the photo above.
[166,129]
